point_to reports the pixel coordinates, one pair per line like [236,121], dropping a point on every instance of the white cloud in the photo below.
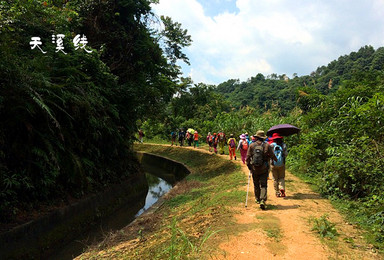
[273,36]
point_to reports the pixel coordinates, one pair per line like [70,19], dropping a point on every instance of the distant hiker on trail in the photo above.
[188,138]
[278,167]
[191,138]
[141,135]
[247,138]
[196,140]
[258,155]
[232,147]
[209,141]
[221,141]
[243,147]
[214,142]
[181,136]
[173,137]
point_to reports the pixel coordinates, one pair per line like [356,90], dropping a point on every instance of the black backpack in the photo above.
[258,155]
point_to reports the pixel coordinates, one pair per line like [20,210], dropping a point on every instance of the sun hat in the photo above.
[260,134]
[242,136]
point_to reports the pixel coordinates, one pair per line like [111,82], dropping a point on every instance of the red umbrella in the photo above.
[283,129]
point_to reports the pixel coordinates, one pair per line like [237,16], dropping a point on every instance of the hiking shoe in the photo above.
[278,194]
[235,158]
[262,205]
[282,192]
[257,201]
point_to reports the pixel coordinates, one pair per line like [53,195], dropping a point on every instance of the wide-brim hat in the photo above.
[242,136]
[260,134]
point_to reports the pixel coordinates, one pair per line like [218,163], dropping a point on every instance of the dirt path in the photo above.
[283,230]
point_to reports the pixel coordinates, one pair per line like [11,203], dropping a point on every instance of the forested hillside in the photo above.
[280,91]
[69,109]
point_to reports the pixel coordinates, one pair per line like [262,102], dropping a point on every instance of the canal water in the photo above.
[124,216]
[157,188]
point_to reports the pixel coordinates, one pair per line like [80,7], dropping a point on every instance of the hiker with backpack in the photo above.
[209,141]
[278,166]
[196,140]
[214,142]
[243,147]
[189,138]
[221,141]
[181,136]
[173,137]
[232,147]
[258,155]
[247,138]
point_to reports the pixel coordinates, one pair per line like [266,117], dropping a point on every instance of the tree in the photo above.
[68,120]
[175,39]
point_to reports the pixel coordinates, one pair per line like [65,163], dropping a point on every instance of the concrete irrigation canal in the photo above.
[65,233]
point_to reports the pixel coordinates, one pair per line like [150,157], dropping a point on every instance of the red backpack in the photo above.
[244,145]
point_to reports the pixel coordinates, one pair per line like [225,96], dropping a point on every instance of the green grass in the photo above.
[355,212]
[155,140]
[324,227]
[192,217]
[182,246]
[271,225]
[274,233]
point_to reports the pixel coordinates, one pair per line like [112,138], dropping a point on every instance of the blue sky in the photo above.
[237,39]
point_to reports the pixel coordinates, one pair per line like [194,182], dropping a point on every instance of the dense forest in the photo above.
[68,120]
[69,108]
[340,109]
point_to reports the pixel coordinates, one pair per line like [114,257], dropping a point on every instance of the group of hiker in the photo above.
[264,155]
[260,153]
[190,136]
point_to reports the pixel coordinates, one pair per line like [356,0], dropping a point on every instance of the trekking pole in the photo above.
[249,180]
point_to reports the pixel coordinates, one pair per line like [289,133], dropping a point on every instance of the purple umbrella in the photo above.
[284,130]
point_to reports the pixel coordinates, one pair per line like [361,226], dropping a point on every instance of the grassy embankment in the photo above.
[194,218]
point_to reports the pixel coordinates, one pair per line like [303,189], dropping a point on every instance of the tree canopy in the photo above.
[68,116]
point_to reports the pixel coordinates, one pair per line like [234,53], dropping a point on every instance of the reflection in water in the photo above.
[121,218]
[157,188]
